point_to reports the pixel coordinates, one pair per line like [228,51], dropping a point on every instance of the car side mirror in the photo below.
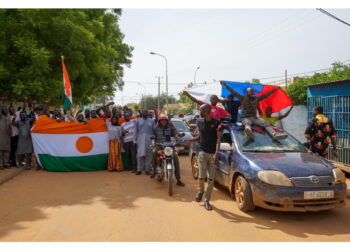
[181,135]
[225,146]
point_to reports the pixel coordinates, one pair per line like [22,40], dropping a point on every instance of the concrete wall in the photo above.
[296,122]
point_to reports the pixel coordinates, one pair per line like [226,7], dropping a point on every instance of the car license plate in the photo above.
[310,195]
[179,148]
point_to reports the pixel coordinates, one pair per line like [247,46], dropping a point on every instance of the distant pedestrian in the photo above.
[320,132]
[14,138]
[25,145]
[142,138]
[5,135]
[209,139]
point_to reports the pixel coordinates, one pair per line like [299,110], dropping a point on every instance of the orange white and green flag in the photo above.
[67,90]
[71,146]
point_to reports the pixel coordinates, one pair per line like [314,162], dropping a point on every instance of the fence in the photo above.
[336,108]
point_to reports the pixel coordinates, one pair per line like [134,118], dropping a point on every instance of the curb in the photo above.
[10,176]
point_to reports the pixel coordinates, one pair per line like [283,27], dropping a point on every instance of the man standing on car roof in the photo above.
[209,138]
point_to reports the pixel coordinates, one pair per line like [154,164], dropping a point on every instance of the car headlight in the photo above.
[274,178]
[168,151]
[339,176]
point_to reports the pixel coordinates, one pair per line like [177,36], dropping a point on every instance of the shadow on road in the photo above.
[25,199]
[292,223]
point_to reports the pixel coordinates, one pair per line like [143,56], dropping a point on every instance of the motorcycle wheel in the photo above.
[170,182]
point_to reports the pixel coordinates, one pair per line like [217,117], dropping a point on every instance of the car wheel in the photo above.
[243,194]
[194,165]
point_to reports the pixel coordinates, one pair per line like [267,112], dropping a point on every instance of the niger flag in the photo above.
[71,146]
[67,90]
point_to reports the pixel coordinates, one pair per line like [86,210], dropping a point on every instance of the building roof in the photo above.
[326,83]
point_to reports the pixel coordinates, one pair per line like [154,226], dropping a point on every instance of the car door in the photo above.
[224,160]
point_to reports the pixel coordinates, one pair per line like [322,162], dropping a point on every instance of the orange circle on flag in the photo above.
[84,144]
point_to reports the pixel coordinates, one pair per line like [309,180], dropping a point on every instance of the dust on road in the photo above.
[104,206]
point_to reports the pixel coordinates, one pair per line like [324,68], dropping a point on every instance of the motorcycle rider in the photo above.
[163,133]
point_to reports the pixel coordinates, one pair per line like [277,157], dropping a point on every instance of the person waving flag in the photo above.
[67,90]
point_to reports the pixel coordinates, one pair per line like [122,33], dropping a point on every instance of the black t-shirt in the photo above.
[207,133]
[232,108]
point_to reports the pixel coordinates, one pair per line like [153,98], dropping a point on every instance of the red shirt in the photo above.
[216,112]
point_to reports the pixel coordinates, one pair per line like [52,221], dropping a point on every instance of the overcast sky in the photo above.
[228,44]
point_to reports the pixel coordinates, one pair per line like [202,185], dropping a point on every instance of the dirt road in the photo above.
[104,206]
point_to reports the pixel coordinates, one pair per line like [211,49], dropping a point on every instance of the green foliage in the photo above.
[185,99]
[33,40]
[298,90]
[254,80]
[149,101]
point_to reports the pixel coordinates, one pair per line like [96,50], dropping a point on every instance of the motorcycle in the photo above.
[164,165]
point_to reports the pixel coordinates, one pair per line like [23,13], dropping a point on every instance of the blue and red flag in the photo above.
[277,101]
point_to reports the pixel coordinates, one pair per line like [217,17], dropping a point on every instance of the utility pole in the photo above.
[285,73]
[158,93]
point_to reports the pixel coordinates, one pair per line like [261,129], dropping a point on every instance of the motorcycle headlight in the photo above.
[339,176]
[274,178]
[168,151]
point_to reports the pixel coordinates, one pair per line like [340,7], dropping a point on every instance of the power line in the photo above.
[332,16]
[277,33]
[301,73]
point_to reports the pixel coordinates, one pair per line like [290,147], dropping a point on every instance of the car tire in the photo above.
[195,166]
[243,195]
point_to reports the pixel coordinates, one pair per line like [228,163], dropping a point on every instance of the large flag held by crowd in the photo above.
[71,146]
[277,101]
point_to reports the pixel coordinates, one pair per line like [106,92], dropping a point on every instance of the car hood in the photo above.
[292,164]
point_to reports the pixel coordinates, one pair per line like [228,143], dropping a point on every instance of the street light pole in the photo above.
[195,72]
[166,74]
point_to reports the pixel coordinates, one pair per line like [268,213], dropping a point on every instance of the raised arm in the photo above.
[46,106]
[234,93]
[286,114]
[262,97]
[192,98]
[75,110]
[25,103]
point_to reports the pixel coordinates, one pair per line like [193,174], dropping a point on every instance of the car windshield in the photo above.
[264,143]
[180,126]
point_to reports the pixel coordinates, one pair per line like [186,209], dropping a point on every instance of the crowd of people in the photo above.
[131,136]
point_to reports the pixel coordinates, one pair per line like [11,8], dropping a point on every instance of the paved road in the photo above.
[103,206]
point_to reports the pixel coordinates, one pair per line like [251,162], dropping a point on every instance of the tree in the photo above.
[254,80]
[33,40]
[298,90]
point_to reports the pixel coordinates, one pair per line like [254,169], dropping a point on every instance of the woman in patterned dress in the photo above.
[115,162]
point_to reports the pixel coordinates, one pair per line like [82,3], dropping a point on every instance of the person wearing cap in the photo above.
[164,132]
